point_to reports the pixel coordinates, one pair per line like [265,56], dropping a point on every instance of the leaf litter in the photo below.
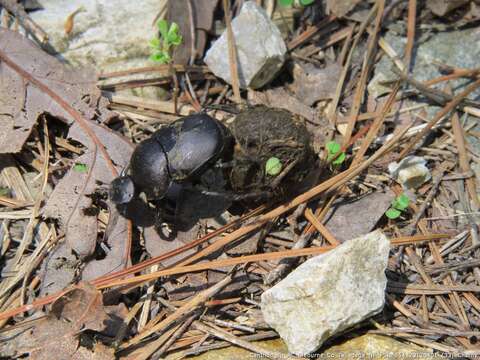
[21,103]
[194,295]
[58,331]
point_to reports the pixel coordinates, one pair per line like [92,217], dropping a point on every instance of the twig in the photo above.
[287,263]
[215,264]
[440,114]
[181,312]
[367,65]
[222,334]
[30,26]
[346,67]
[223,344]
[173,337]
[232,53]
[428,200]
[310,216]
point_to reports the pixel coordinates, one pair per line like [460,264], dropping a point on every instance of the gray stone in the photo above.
[329,293]
[110,35]
[459,48]
[260,49]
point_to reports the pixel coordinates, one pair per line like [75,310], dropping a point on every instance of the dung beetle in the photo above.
[196,167]
[176,153]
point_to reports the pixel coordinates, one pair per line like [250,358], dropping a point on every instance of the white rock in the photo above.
[329,293]
[111,35]
[260,48]
[411,172]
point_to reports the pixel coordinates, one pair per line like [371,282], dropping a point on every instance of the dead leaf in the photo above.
[312,84]
[348,220]
[58,270]
[442,7]
[340,8]
[281,99]
[191,284]
[99,352]
[156,246]
[81,232]
[56,334]
[246,245]
[117,256]
[21,103]
[82,307]
[202,13]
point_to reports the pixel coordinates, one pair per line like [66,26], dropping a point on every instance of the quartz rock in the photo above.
[329,293]
[260,48]
[411,172]
[110,35]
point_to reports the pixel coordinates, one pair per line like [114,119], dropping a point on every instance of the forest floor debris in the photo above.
[64,137]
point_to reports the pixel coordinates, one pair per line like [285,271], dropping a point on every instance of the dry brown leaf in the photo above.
[280,98]
[202,14]
[340,8]
[58,270]
[442,7]
[99,352]
[156,246]
[361,215]
[116,258]
[56,334]
[81,230]
[312,84]
[82,307]
[21,102]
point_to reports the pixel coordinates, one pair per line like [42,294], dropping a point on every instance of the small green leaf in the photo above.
[273,166]
[333,147]
[154,43]
[339,160]
[393,213]
[401,202]
[285,2]
[81,168]
[177,40]
[173,37]
[4,191]
[160,57]
[163,28]
[307,2]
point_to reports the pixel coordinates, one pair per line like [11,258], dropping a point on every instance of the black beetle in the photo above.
[175,153]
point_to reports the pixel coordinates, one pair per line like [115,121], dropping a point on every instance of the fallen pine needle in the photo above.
[211,265]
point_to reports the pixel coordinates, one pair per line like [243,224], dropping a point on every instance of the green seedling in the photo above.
[81,168]
[296,2]
[333,148]
[399,204]
[162,46]
[273,166]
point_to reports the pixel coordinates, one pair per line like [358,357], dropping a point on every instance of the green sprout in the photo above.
[273,166]
[296,2]
[81,168]
[334,154]
[399,204]
[162,45]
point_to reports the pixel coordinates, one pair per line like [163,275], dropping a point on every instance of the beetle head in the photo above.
[122,190]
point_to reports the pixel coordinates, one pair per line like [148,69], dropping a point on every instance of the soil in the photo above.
[261,133]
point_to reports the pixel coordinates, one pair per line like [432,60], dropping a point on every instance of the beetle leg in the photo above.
[224,165]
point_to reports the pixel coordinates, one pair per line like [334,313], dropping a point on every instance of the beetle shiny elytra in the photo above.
[175,153]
